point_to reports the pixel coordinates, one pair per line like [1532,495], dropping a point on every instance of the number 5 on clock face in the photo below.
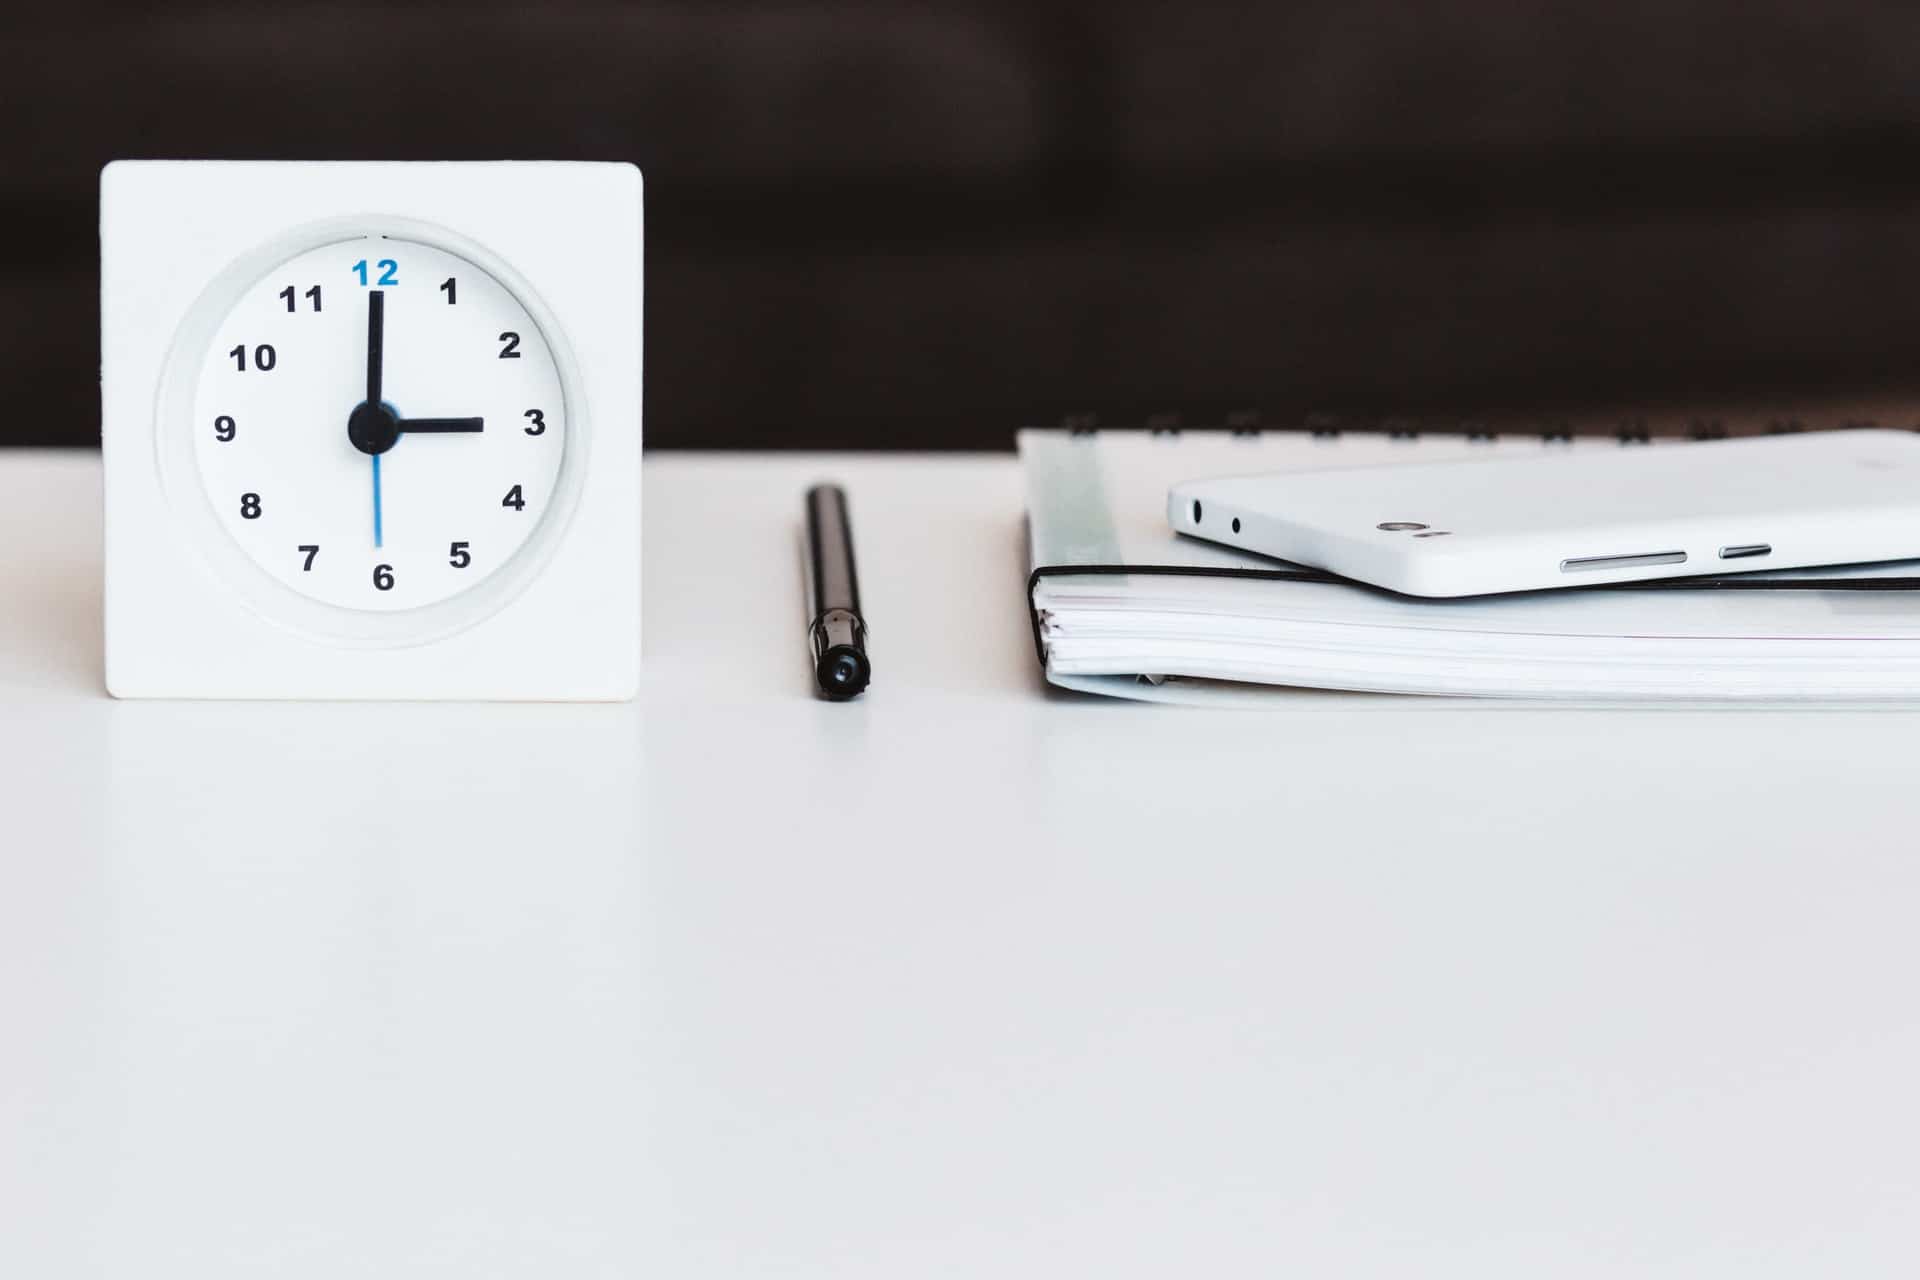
[380,423]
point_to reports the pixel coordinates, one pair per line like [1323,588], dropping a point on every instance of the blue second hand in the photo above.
[376,500]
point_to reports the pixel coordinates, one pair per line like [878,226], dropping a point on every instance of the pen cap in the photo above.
[839,636]
[831,540]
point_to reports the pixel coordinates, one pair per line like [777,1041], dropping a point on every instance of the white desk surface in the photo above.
[964,979]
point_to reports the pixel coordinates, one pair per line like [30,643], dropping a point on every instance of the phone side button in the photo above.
[1590,564]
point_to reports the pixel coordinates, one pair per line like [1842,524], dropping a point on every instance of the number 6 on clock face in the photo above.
[381,427]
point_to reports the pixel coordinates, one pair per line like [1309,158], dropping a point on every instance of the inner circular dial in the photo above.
[379,424]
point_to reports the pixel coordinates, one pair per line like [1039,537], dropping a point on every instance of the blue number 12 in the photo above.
[389,271]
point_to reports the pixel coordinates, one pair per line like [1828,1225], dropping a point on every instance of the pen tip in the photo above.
[843,672]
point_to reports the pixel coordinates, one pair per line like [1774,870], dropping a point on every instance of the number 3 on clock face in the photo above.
[379,423]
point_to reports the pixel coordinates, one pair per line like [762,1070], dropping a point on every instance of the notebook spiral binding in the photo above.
[1628,429]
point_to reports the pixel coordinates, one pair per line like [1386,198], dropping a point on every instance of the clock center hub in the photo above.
[373,428]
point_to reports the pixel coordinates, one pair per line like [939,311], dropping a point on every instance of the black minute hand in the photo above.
[409,426]
[376,341]
[370,427]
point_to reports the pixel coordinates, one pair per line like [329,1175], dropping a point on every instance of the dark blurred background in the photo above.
[921,226]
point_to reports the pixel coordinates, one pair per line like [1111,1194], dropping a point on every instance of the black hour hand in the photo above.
[444,426]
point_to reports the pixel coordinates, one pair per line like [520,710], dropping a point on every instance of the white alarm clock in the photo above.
[371,430]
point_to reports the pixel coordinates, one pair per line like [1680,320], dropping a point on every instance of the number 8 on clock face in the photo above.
[379,423]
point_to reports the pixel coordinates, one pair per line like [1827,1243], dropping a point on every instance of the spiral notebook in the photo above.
[1123,606]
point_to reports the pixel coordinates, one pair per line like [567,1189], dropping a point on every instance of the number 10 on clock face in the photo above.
[379,424]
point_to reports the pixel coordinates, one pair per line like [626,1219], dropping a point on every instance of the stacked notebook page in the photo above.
[1124,606]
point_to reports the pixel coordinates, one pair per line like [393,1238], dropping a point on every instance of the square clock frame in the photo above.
[371,430]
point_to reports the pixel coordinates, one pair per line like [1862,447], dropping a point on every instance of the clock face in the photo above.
[379,424]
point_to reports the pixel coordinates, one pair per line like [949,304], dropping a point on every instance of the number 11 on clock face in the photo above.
[379,424]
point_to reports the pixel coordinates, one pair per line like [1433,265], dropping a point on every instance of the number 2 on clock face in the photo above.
[379,424]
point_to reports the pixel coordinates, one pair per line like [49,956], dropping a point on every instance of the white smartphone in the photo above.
[1576,518]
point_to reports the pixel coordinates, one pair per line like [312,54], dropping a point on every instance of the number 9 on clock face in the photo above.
[379,423]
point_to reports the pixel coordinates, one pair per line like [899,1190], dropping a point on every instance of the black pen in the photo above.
[838,633]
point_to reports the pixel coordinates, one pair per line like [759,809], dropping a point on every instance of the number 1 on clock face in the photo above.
[379,424]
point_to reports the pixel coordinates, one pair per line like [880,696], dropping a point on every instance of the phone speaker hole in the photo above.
[1746,551]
